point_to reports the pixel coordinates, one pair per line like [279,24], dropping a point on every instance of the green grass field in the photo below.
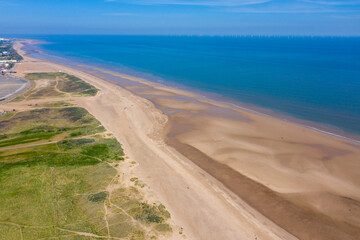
[61,190]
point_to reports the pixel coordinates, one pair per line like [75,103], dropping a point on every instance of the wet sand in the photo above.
[11,86]
[227,173]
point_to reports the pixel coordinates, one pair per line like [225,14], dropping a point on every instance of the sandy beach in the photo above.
[223,172]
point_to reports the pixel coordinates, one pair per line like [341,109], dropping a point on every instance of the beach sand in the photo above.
[223,172]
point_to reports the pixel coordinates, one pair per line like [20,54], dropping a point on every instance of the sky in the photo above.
[181,17]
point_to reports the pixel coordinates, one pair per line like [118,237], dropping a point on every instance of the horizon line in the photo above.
[178,35]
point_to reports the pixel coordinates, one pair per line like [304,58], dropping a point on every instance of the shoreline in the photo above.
[9,97]
[236,105]
[314,164]
[216,98]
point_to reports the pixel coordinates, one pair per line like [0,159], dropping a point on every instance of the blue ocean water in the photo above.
[310,78]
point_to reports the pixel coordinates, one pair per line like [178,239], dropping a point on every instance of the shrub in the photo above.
[73,143]
[98,197]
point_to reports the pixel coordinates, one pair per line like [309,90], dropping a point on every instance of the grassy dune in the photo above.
[59,84]
[69,188]
[47,124]
[47,186]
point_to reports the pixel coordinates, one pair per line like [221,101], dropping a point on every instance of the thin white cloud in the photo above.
[223,3]
[241,10]
[334,2]
[262,6]
[299,7]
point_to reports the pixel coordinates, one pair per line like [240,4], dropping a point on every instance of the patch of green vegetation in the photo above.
[137,182]
[163,227]
[76,114]
[25,138]
[97,150]
[66,83]
[28,190]
[98,197]
[38,76]
[44,233]
[90,92]
[6,116]
[18,99]
[29,135]
[76,134]
[9,231]
[107,149]
[58,104]
[133,179]
[131,201]
[45,90]
[46,124]
[150,213]
[86,131]
[50,186]
[76,85]
[74,143]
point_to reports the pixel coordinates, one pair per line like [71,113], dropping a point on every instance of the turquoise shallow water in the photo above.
[313,79]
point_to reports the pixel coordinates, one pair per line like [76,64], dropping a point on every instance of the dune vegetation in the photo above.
[60,177]
[58,84]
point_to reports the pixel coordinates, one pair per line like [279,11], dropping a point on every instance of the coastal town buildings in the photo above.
[8,56]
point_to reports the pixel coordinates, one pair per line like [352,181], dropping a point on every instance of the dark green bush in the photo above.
[98,197]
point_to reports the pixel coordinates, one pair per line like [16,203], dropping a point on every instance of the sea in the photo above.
[312,79]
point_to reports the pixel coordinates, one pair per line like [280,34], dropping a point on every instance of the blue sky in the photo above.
[209,17]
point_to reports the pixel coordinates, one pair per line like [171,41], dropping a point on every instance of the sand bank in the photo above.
[227,173]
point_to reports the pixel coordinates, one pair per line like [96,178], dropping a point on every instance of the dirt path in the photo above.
[58,90]
[89,234]
[21,233]
[106,221]
[31,145]
[16,225]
